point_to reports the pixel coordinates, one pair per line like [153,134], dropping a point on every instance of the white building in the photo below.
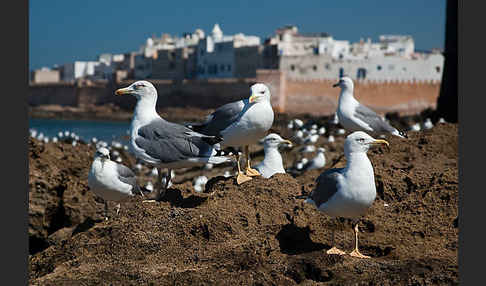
[45,75]
[420,67]
[320,56]
[78,69]
[143,66]
[216,53]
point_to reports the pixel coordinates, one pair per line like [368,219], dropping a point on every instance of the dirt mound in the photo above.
[260,233]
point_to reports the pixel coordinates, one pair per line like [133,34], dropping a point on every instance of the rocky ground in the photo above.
[259,233]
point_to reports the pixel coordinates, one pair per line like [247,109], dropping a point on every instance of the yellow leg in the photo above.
[334,249]
[241,178]
[355,252]
[249,171]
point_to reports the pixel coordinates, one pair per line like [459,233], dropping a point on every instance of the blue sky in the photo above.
[65,31]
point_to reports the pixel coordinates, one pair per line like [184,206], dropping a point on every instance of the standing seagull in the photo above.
[272,163]
[241,123]
[348,192]
[111,181]
[164,144]
[354,116]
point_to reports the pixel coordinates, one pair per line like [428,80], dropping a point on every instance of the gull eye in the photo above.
[360,140]
[262,92]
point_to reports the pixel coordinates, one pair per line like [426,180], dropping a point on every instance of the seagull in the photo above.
[330,139]
[272,163]
[200,183]
[335,119]
[348,192]
[415,127]
[290,125]
[298,122]
[149,186]
[354,116]
[227,174]
[154,172]
[442,120]
[240,124]
[319,161]
[428,124]
[321,130]
[307,149]
[311,139]
[138,167]
[164,144]
[208,166]
[111,181]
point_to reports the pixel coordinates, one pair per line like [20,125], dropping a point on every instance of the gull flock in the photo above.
[161,147]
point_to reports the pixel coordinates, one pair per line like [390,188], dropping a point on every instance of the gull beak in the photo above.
[335,85]
[252,98]
[122,91]
[286,141]
[381,142]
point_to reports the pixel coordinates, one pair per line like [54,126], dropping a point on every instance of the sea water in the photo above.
[86,129]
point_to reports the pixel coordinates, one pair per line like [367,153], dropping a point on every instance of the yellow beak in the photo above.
[252,98]
[287,141]
[123,91]
[380,141]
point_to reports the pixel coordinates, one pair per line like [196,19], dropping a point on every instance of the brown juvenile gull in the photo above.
[164,144]
[354,116]
[241,123]
[348,192]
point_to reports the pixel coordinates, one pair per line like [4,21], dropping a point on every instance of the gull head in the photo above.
[321,150]
[141,89]
[273,140]
[102,153]
[259,92]
[359,141]
[344,82]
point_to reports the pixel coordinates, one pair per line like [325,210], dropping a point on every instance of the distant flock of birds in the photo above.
[160,144]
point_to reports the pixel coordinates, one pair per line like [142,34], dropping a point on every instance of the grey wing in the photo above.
[221,118]
[376,122]
[170,142]
[327,185]
[127,176]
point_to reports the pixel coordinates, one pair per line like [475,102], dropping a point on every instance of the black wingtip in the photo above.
[211,140]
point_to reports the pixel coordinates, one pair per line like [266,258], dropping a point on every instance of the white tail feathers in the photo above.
[219,159]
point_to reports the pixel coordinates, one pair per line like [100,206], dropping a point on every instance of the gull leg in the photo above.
[249,171]
[241,178]
[334,249]
[106,210]
[167,180]
[355,252]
